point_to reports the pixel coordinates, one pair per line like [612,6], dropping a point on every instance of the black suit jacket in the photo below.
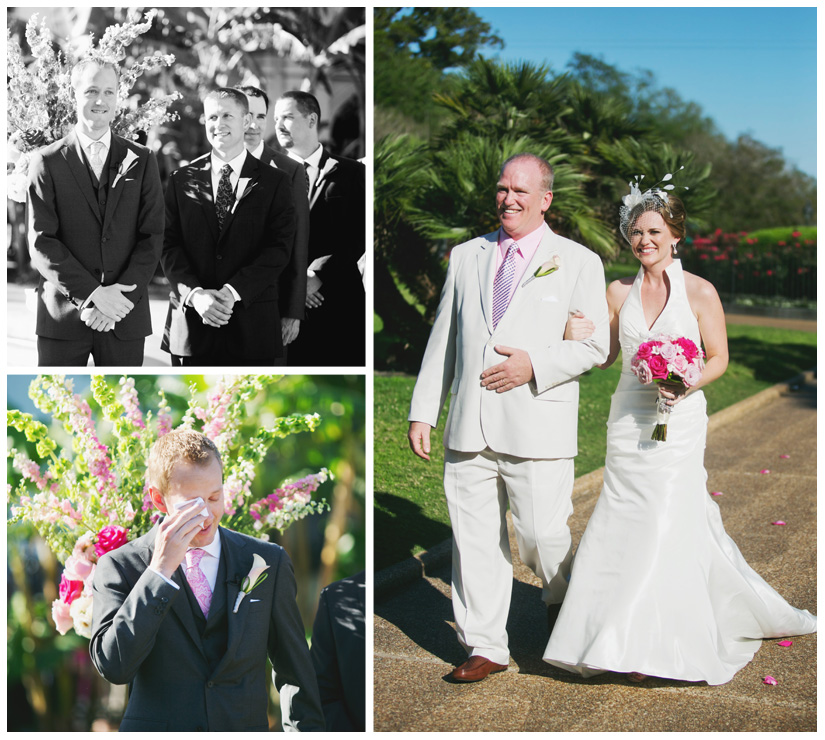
[144,633]
[334,334]
[293,282]
[79,241]
[250,252]
[339,654]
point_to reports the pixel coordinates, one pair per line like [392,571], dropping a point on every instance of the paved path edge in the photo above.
[396,576]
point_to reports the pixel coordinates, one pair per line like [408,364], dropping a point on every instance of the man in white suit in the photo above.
[497,346]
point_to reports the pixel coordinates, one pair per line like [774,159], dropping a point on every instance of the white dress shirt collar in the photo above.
[86,141]
[236,164]
[258,151]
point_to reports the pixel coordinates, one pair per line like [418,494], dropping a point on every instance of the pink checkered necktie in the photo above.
[503,282]
[197,580]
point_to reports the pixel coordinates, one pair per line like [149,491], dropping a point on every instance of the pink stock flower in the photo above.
[110,538]
[658,367]
[62,618]
[69,590]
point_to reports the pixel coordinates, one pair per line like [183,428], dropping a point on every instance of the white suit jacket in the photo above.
[537,420]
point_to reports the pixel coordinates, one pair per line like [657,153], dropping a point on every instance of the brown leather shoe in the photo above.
[476,669]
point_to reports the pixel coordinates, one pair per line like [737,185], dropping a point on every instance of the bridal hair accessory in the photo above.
[637,202]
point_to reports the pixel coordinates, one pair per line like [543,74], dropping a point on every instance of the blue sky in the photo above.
[752,70]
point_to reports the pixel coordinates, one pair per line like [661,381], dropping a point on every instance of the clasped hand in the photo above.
[214,306]
[314,298]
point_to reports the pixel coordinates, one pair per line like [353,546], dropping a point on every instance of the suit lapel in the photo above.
[326,165]
[202,183]
[486,265]
[74,158]
[544,252]
[180,606]
[116,155]
[249,171]
[238,562]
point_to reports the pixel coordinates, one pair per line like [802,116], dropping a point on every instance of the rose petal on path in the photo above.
[716,493]
[784,457]
[785,643]
[765,471]
[770,680]
[779,522]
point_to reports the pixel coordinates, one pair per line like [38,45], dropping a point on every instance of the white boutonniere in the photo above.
[547,268]
[254,578]
[126,165]
[329,166]
[244,189]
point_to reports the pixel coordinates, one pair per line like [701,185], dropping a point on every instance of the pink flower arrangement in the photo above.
[667,359]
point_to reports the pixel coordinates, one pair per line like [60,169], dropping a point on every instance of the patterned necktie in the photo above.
[502,283]
[226,195]
[309,181]
[96,160]
[197,580]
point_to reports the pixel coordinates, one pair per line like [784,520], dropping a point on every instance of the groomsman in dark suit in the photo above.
[168,621]
[230,226]
[96,226]
[334,330]
[293,282]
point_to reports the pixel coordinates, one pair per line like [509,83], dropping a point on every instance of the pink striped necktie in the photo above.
[197,580]
[503,282]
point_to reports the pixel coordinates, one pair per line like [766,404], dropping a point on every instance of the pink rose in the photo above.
[110,538]
[680,364]
[78,569]
[61,616]
[692,376]
[645,350]
[69,590]
[688,347]
[668,351]
[642,371]
[658,367]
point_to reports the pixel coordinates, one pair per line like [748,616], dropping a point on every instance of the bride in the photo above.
[657,587]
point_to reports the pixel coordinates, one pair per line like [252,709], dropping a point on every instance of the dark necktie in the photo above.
[226,196]
[309,182]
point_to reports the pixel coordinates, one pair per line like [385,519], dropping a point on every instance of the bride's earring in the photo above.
[673,247]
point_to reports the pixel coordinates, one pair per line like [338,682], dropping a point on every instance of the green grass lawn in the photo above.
[410,510]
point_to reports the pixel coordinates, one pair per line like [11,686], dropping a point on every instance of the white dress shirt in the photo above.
[86,143]
[313,168]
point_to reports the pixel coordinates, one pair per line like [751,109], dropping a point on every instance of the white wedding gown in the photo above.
[657,586]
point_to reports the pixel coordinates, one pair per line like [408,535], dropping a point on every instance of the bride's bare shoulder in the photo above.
[699,290]
[617,291]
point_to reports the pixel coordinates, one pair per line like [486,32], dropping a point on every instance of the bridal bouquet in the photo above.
[667,359]
[90,497]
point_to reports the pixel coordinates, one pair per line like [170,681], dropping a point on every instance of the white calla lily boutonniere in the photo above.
[254,578]
[549,267]
[126,165]
[244,188]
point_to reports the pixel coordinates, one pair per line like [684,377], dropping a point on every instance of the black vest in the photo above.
[214,630]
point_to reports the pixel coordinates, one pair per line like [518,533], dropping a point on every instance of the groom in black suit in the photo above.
[167,621]
[96,225]
[293,283]
[230,224]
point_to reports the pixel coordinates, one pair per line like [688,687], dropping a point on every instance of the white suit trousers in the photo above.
[477,486]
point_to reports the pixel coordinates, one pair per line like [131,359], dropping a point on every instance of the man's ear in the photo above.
[247,120]
[313,120]
[157,499]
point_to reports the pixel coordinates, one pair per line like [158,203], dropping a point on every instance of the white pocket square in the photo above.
[550,299]
[254,601]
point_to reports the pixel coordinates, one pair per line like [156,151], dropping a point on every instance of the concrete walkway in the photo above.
[415,646]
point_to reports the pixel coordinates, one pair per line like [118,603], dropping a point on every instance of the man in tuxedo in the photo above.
[293,282]
[230,227]
[497,347]
[96,226]
[339,654]
[167,620]
[334,330]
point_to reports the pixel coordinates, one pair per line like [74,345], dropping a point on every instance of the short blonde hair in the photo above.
[181,445]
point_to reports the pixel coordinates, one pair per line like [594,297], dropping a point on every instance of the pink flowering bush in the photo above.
[89,497]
